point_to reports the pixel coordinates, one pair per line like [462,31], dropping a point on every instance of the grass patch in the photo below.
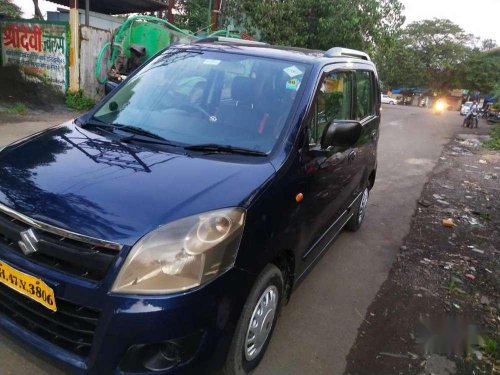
[19,108]
[78,102]
[494,142]
[492,348]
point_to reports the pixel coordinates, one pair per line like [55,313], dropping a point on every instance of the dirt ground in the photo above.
[41,106]
[31,93]
[438,311]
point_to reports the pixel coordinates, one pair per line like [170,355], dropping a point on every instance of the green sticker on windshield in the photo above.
[293,84]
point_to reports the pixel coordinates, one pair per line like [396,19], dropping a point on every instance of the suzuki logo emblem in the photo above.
[29,242]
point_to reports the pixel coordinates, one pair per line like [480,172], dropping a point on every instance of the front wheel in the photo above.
[476,122]
[257,322]
[357,218]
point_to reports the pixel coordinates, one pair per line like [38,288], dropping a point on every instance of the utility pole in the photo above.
[74,53]
[215,15]
[170,14]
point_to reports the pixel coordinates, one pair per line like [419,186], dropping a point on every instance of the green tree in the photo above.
[481,71]
[428,53]
[399,66]
[441,46]
[488,44]
[193,14]
[9,9]
[319,24]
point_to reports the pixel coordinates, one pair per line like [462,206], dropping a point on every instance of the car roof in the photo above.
[303,55]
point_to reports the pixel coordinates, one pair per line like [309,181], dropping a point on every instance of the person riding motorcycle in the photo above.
[471,118]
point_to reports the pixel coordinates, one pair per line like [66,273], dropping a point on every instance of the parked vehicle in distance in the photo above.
[465,108]
[162,231]
[386,99]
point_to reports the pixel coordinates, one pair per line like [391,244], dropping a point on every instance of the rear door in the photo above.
[367,112]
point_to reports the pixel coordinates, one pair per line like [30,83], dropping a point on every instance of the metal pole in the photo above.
[87,12]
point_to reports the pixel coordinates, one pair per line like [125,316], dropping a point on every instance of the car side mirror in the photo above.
[109,86]
[343,133]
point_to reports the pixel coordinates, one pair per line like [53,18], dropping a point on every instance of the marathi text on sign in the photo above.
[38,48]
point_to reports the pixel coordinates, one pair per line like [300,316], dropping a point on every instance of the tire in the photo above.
[464,124]
[241,360]
[391,102]
[476,122]
[356,220]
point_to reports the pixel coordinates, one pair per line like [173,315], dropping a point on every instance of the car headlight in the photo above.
[183,254]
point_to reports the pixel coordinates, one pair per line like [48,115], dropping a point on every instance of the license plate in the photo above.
[28,285]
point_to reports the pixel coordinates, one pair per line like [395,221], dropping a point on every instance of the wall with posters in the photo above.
[39,48]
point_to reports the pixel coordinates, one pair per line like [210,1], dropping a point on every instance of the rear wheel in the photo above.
[257,322]
[357,218]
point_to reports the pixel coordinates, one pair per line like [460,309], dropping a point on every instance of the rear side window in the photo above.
[365,103]
[333,102]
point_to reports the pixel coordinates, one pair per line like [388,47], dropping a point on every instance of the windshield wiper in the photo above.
[213,147]
[150,137]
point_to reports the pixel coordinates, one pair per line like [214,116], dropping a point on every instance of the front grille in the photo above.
[64,254]
[72,327]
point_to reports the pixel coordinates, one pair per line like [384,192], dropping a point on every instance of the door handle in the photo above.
[352,155]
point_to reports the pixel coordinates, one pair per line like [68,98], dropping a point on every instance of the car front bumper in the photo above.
[206,316]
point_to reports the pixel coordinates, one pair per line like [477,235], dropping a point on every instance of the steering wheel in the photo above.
[188,107]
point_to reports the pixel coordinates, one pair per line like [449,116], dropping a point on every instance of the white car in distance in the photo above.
[386,99]
[465,108]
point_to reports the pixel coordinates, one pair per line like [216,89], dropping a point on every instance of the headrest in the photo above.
[243,89]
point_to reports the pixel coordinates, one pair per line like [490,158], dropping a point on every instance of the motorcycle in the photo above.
[472,119]
[439,107]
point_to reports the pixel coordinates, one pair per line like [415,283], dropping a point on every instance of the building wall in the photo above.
[97,20]
[91,42]
[38,48]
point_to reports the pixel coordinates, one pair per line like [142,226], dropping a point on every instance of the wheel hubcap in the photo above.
[362,205]
[261,322]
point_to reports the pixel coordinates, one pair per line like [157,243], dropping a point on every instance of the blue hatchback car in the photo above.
[162,231]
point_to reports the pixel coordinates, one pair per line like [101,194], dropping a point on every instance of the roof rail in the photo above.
[224,39]
[339,51]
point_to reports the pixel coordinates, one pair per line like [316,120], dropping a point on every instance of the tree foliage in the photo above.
[192,14]
[319,24]
[481,71]
[9,9]
[439,55]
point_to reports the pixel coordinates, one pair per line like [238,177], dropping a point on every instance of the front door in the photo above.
[327,173]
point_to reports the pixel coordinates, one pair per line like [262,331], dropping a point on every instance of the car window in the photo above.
[365,105]
[333,102]
[196,97]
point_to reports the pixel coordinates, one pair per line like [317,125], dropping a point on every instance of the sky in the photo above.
[478,17]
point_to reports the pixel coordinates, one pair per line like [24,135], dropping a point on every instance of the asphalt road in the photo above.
[318,327]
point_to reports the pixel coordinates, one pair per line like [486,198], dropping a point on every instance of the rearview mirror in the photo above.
[109,86]
[343,133]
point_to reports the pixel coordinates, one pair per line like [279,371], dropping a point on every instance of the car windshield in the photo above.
[468,104]
[195,97]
